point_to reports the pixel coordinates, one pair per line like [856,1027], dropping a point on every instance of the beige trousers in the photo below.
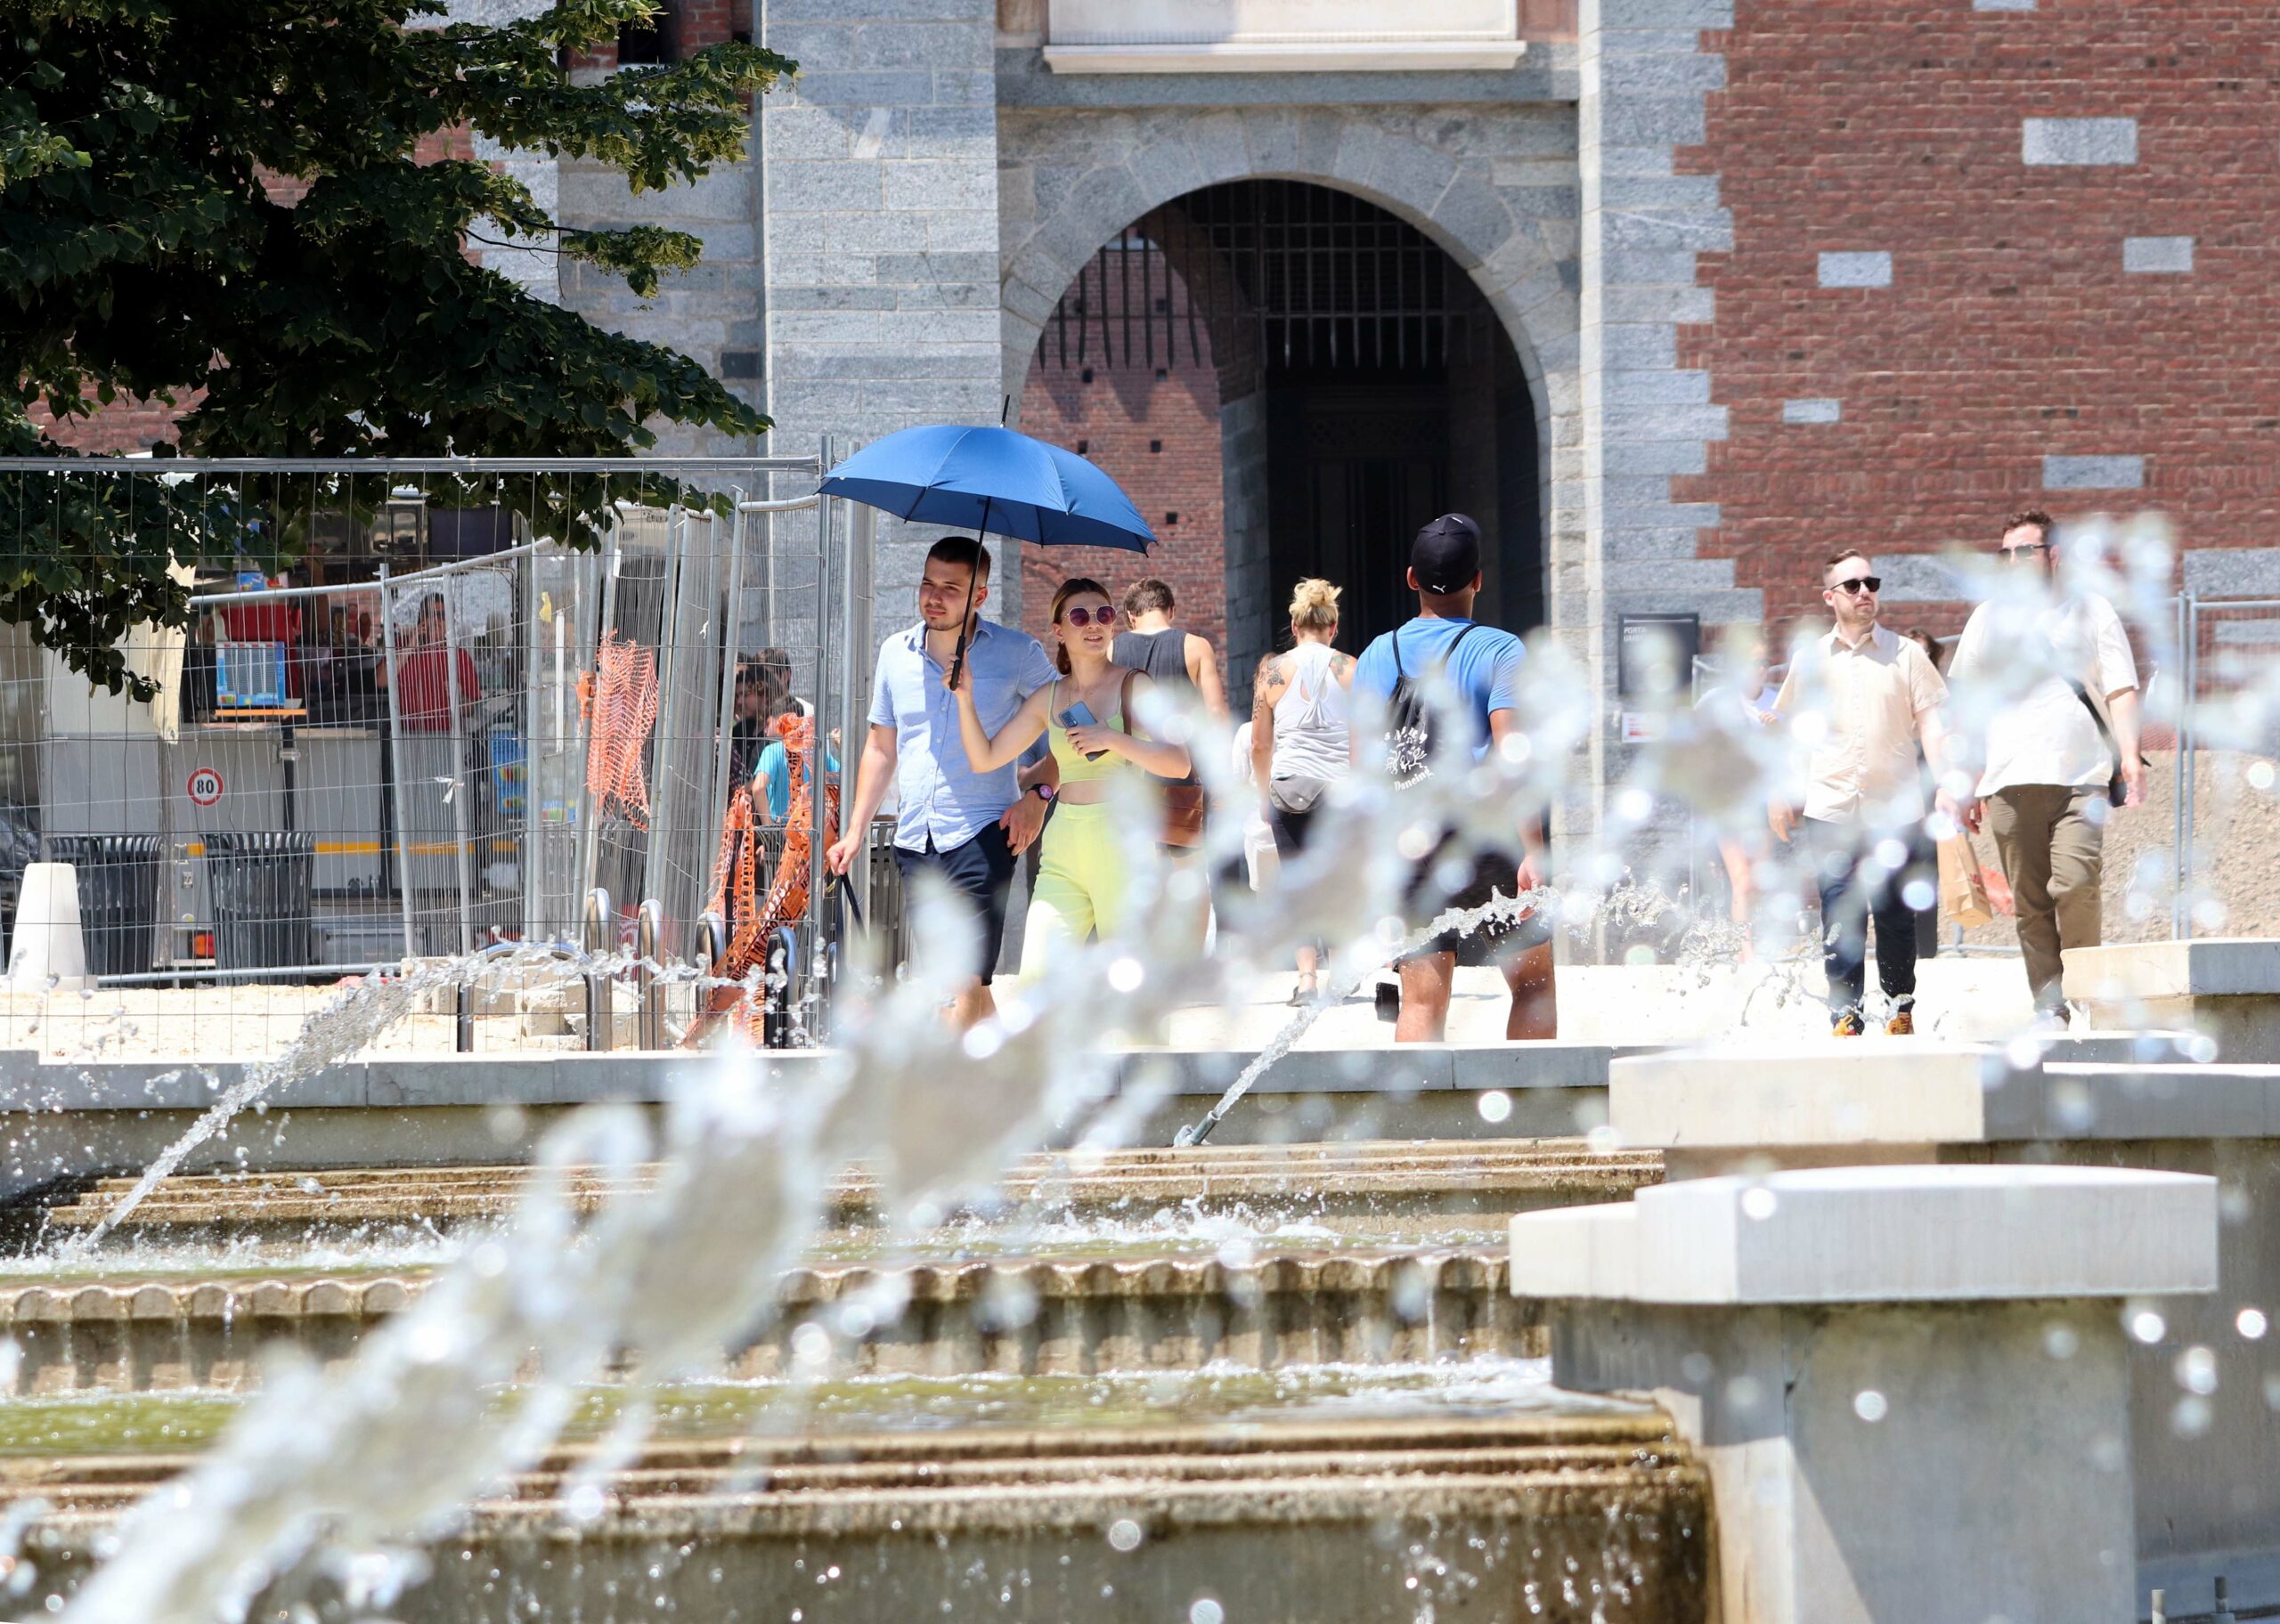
[2052,842]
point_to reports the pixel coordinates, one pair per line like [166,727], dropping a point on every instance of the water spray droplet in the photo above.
[1124,1535]
[1206,1611]
[1495,1106]
[2147,1327]
[1869,1405]
[2251,1323]
[1759,1203]
[2196,1370]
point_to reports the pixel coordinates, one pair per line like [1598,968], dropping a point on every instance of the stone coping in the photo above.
[2217,967]
[1880,1235]
[1835,1095]
[414,1082]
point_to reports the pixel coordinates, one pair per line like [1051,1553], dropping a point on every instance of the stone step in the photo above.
[1501,1518]
[1359,1187]
[1023,1316]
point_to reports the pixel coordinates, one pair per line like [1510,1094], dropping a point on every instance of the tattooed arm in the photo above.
[1266,689]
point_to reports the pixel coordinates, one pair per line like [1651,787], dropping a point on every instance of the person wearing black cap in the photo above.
[1482,665]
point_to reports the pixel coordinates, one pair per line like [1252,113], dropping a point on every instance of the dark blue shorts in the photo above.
[981,870]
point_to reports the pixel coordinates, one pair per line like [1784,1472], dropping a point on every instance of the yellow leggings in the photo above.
[1080,886]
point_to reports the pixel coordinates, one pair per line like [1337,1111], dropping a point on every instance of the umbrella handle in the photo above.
[972,576]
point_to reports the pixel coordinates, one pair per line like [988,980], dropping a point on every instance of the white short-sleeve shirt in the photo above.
[2048,737]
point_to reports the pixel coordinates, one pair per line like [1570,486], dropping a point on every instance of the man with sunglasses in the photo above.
[1861,701]
[2061,727]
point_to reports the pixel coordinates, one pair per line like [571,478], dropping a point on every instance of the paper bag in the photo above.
[1963,894]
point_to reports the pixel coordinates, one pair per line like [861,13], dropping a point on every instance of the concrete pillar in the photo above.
[1909,1384]
[1648,418]
[2202,1371]
[2225,989]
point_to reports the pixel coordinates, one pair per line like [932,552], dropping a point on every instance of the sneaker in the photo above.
[1902,1024]
[1847,1025]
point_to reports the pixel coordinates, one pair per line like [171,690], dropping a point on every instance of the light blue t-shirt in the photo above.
[940,798]
[1484,670]
[774,775]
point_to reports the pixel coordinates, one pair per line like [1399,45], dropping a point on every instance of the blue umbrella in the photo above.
[991,480]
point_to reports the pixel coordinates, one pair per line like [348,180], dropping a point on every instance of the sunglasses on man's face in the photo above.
[1871,584]
[2032,549]
[1082,618]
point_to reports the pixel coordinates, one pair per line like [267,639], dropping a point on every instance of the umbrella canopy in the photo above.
[994,481]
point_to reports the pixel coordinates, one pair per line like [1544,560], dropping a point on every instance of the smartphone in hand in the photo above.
[1079,715]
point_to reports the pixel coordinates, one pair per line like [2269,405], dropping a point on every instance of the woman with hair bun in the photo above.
[1299,734]
[1088,715]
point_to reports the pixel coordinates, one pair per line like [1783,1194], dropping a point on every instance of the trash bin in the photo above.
[259,884]
[119,897]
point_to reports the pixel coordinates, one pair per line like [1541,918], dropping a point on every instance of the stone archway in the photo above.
[1495,188]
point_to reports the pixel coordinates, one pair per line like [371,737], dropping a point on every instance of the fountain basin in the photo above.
[1357,1504]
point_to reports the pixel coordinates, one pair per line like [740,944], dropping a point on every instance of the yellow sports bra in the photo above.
[1074,767]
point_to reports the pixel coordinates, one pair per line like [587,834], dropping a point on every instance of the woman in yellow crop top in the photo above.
[1081,877]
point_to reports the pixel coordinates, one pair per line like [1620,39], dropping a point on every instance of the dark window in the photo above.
[641,43]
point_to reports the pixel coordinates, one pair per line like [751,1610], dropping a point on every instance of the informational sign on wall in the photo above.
[1654,654]
[204,786]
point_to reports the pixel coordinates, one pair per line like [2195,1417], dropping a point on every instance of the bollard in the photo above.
[776,993]
[463,1021]
[598,1012]
[712,949]
[48,949]
[648,929]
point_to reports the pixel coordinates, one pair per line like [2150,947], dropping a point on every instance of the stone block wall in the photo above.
[2049,225]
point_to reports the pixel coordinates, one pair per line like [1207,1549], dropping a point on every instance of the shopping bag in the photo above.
[1963,894]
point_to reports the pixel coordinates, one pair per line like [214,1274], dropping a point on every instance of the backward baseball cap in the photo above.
[1445,557]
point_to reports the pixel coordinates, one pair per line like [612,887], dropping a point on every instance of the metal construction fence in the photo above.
[423,708]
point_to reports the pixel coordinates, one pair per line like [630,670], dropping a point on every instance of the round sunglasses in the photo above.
[1082,618]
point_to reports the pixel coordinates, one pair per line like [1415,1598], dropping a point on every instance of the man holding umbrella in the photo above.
[964,826]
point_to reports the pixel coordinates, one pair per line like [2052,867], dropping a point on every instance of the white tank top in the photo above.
[1311,732]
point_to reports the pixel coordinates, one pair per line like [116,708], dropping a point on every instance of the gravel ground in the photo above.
[2236,877]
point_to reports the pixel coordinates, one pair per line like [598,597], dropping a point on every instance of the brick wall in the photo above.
[1159,438]
[1987,254]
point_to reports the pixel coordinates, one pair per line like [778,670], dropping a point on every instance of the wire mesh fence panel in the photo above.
[375,713]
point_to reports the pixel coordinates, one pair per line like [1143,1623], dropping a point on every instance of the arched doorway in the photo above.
[1289,380]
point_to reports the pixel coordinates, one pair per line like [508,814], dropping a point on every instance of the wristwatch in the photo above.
[1043,791]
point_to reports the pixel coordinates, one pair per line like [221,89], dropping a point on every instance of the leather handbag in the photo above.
[1182,802]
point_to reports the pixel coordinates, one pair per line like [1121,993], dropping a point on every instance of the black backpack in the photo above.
[1409,720]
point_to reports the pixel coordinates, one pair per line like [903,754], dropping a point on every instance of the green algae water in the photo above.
[166,1423]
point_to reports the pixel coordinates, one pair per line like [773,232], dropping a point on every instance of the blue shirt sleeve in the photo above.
[1037,670]
[1374,671]
[1504,680]
[881,704]
[774,773]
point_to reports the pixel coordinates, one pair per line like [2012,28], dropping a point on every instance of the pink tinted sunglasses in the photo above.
[1089,617]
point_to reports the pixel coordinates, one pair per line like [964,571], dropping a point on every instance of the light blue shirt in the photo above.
[1485,668]
[774,776]
[940,798]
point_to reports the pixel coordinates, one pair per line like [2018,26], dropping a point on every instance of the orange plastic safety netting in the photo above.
[621,709]
[753,919]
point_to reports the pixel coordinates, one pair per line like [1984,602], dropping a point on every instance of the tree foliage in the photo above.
[149,250]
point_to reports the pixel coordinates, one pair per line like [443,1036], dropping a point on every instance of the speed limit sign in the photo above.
[204,786]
